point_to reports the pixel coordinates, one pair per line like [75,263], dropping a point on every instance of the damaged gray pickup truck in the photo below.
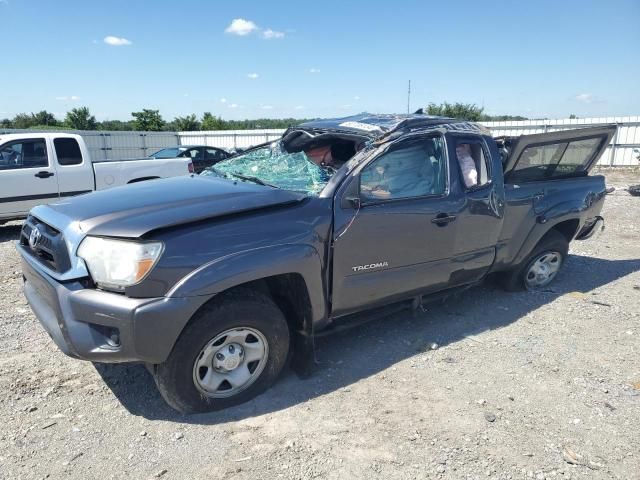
[217,281]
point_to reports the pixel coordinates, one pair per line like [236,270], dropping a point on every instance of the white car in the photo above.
[37,168]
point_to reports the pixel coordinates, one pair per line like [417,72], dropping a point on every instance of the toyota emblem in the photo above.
[34,237]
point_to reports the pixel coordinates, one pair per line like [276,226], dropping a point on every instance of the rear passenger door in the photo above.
[75,172]
[476,175]
[27,176]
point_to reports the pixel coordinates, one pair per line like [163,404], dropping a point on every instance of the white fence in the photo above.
[229,139]
[624,149]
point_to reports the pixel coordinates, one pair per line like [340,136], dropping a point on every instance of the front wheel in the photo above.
[233,349]
[542,265]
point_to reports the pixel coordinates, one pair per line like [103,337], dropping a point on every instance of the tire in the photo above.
[553,243]
[242,321]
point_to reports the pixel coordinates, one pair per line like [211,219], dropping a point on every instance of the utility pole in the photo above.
[409,98]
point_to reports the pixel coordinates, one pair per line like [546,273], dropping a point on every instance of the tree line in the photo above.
[151,120]
[145,120]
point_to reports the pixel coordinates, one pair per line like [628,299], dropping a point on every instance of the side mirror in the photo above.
[351,197]
[354,202]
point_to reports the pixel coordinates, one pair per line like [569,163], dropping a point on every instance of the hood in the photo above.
[134,210]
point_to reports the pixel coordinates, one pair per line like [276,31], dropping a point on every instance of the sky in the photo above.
[252,59]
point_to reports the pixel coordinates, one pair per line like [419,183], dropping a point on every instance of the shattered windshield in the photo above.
[273,166]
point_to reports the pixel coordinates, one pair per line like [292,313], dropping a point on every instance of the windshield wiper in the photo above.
[252,179]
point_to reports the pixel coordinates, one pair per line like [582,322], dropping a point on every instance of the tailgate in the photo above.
[547,156]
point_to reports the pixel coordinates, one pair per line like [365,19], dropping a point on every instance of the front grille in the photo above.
[50,249]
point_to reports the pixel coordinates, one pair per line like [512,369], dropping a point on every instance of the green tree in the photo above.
[6,123]
[463,111]
[80,119]
[31,120]
[185,124]
[209,122]
[45,118]
[502,118]
[148,120]
[467,111]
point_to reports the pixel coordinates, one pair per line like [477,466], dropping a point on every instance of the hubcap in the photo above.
[543,269]
[230,362]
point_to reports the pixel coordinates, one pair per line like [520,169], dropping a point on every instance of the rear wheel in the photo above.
[542,265]
[232,350]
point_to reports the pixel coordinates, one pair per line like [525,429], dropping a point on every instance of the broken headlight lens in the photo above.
[116,264]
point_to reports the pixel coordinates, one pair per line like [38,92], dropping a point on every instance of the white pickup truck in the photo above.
[37,168]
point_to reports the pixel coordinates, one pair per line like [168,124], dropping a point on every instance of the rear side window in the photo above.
[194,154]
[67,151]
[544,162]
[473,162]
[214,154]
[24,154]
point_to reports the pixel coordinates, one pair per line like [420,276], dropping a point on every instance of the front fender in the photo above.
[238,268]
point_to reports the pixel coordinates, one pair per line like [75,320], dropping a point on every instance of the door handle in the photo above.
[443,219]
[44,174]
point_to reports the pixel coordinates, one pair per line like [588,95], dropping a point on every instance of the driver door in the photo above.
[398,241]
[27,176]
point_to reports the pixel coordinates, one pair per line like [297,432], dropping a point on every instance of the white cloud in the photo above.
[269,34]
[252,76]
[116,41]
[356,97]
[241,27]
[314,70]
[72,98]
[267,107]
[233,105]
[585,98]
[223,100]
[348,105]
[299,107]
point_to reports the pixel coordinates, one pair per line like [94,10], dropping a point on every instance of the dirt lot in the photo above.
[525,385]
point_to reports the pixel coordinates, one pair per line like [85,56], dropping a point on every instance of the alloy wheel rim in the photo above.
[543,269]
[230,362]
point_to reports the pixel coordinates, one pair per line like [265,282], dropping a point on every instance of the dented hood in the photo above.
[134,210]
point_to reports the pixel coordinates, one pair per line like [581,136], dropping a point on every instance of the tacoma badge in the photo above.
[371,266]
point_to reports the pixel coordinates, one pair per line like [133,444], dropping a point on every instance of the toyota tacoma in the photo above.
[217,281]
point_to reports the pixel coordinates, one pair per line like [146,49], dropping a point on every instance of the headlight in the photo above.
[116,264]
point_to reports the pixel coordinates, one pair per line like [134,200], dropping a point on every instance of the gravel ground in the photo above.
[521,385]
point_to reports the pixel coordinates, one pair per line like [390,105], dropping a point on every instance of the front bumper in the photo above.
[84,322]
